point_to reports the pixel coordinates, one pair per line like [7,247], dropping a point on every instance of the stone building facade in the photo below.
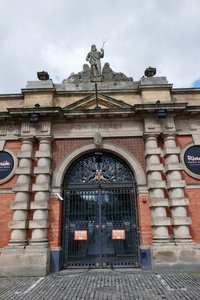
[99,173]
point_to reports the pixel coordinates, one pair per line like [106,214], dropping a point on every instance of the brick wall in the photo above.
[192,194]
[135,145]
[194,212]
[144,215]
[6,197]
[5,217]
[55,218]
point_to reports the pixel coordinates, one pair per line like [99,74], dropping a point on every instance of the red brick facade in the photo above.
[62,147]
[6,198]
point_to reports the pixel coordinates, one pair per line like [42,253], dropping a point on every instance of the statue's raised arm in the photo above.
[94,58]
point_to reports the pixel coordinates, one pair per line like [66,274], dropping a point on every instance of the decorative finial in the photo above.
[150,72]
[43,75]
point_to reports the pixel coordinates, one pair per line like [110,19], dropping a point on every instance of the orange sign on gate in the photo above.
[80,235]
[118,234]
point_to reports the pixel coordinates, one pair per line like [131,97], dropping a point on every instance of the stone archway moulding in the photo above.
[119,151]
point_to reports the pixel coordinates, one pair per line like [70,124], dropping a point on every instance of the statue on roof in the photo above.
[94,58]
[150,72]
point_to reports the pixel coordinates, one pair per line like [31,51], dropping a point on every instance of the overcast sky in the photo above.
[56,35]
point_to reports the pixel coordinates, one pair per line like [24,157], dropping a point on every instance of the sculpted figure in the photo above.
[98,141]
[107,72]
[94,57]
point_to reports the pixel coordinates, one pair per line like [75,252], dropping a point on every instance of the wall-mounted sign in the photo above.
[6,164]
[80,235]
[192,159]
[118,234]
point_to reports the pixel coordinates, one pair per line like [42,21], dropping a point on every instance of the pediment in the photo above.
[102,101]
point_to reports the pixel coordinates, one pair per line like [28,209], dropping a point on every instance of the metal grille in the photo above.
[100,201]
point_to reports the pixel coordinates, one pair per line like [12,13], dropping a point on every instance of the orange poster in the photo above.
[118,234]
[80,235]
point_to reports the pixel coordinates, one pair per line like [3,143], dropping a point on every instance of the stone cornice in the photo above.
[137,110]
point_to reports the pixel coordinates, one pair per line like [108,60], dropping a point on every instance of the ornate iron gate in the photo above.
[100,214]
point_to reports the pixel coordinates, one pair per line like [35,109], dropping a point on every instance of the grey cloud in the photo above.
[56,36]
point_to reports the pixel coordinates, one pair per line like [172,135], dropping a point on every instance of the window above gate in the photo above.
[98,168]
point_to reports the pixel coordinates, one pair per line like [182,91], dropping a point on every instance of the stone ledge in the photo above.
[24,171]
[158,202]
[21,205]
[178,202]
[24,187]
[157,184]
[34,224]
[173,167]
[44,187]
[43,204]
[181,221]
[176,184]
[156,167]
[18,224]
[161,221]
[25,154]
[42,170]
[169,151]
[153,151]
[42,154]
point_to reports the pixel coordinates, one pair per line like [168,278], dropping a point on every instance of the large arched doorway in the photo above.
[100,224]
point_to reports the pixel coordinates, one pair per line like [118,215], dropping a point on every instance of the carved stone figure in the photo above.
[94,58]
[98,141]
[43,75]
[85,74]
[107,72]
[150,72]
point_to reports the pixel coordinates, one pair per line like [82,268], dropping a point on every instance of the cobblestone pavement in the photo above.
[102,285]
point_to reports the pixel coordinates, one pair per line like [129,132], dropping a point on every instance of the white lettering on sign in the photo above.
[192,158]
[4,163]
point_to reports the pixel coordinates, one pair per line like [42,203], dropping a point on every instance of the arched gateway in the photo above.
[100,223]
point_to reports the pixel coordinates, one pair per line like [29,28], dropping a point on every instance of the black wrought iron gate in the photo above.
[100,214]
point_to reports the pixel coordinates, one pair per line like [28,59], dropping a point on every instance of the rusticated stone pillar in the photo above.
[175,185]
[20,206]
[40,205]
[156,185]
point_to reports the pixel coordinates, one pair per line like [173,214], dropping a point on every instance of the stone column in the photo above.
[156,185]
[22,189]
[40,205]
[175,185]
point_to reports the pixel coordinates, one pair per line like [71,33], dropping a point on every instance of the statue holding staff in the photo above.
[94,58]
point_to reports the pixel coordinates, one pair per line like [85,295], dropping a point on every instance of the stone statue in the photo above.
[43,75]
[98,141]
[107,72]
[85,74]
[94,57]
[150,72]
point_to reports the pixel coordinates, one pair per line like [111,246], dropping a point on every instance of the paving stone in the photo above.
[103,285]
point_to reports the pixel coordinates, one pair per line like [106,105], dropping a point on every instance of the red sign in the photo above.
[118,234]
[80,235]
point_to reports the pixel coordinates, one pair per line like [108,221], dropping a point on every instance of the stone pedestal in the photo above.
[24,262]
[172,258]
